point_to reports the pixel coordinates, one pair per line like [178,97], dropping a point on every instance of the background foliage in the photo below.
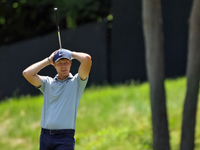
[22,19]
[114,117]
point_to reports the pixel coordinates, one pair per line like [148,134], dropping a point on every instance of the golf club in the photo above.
[57,23]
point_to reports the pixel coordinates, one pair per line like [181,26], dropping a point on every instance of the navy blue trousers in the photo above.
[57,140]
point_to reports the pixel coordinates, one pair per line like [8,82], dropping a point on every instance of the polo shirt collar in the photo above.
[70,76]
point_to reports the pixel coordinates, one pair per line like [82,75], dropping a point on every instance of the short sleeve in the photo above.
[43,79]
[82,83]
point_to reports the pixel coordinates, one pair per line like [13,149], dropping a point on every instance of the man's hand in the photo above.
[69,53]
[50,58]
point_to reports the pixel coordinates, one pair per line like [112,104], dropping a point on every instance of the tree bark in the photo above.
[193,75]
[154,43]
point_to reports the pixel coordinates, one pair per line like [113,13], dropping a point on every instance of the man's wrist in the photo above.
[72,55]
[48,60]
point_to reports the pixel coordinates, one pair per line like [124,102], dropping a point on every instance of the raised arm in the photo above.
[30,73]
[85,66]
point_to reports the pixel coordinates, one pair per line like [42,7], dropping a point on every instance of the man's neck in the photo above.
[62,77]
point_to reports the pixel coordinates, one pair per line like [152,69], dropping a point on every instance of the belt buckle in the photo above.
[52,133]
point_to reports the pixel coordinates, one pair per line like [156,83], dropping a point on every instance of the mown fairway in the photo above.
[110,118]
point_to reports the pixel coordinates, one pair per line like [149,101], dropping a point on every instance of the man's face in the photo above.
[63,66]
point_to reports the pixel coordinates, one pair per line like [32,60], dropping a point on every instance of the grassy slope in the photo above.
[109,118]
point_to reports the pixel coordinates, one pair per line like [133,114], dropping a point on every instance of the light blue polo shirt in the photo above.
[61,101]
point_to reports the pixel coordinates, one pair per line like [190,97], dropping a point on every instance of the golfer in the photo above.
[61,97]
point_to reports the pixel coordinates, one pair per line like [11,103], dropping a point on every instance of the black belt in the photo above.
[58,131]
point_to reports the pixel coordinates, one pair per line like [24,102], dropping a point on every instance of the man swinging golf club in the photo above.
[61,97]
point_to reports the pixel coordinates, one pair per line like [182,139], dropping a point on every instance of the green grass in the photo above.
[110,118]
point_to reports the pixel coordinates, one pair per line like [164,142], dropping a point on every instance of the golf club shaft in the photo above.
[58,28]
[59,39]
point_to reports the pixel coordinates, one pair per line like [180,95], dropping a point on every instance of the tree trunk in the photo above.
[193,75]
[154,43]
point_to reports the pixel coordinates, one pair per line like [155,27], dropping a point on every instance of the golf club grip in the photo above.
[57,23]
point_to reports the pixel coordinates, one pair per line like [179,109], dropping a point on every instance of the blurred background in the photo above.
[109,30]
[115,111]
